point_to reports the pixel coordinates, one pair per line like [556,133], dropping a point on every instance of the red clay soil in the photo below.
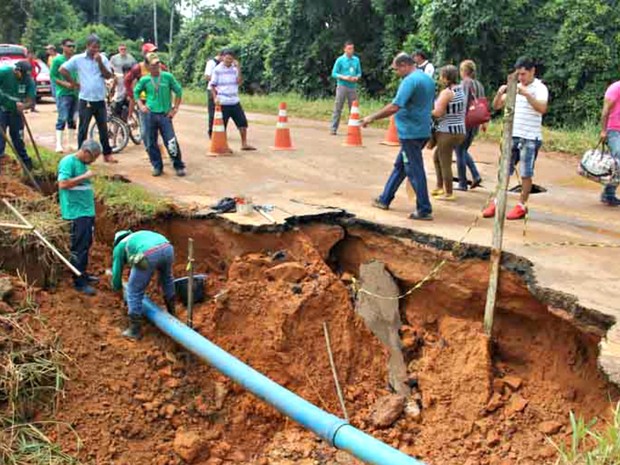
[151,403]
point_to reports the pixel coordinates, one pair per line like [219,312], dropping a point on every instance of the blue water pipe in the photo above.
[334,430]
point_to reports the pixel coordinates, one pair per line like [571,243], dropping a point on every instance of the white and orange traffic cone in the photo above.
[354,132]
[283,133]
[391,136]
[219,142]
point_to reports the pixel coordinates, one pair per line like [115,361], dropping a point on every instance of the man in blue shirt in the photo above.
[412,105]
[347,72]
[92,69]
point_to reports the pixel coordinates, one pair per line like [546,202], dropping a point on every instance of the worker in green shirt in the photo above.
[146,252]
[158,113]
[17,93]
[77,205]
[66,96]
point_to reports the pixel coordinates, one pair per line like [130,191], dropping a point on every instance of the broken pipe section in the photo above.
[329,427]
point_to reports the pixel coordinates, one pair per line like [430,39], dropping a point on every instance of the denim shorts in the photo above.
[524,152]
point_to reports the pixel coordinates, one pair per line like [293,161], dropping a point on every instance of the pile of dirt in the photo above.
[150,402]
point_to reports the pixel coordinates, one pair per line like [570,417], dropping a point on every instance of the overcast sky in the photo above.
[186,9]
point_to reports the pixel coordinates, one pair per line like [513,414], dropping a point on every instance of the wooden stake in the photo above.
[40,236]
[334,373]
[190,283]
[16,226]
[34,144]
[21,162]
[500,211]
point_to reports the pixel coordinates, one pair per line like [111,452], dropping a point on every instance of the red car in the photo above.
[11,54]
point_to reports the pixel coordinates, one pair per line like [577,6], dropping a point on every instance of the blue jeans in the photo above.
[613,140]
[464,160]
[160,123]
[409,164]
[13,120]
[160,260]
[67,106]
[524,153]
[146,136]
[82,229]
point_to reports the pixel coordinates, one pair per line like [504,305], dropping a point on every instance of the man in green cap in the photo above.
[77,205]
[17,93]
[158,112]
[146,252]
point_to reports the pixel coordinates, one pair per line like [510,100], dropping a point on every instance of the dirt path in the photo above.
[323,172]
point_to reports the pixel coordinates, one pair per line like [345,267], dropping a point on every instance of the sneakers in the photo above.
[333,133]
[420,217]
[489,212]
[157,172]
[86,289]
[611,201]
[180,172]
[92,279]
[437,192]
[446,197]
[476,183]
[377,203]
[517,213]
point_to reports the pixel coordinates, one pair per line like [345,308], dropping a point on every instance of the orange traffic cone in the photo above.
[219,143]
[354,134]
[283,133]
[391,136]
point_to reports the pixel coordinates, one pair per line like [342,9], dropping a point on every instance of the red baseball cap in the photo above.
[148,48]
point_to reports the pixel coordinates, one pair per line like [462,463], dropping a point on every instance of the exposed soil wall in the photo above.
[482,403]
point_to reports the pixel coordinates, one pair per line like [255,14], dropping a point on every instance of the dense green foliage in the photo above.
[291,45]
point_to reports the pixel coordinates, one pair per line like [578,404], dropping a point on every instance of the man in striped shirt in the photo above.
[531,105]
[225,87]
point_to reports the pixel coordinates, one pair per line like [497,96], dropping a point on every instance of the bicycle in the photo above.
[118,130]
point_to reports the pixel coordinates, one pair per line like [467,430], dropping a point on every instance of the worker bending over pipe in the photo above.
[146,252]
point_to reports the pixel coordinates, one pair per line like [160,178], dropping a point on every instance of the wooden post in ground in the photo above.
[190,283]
[500,211]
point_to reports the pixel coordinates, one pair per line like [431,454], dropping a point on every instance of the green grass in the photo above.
[567,140]
[121,198]
[590,447]
[298,106]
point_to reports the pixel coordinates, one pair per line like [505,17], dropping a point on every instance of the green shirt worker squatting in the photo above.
[77,205]
[158,113]
[17,93]
[347,71]
[146,252]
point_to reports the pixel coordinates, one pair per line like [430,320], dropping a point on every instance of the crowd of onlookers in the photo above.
[440,120]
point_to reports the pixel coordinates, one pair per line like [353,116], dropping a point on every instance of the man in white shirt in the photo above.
[532,103]
[211,64]
[421,60]
[225,83]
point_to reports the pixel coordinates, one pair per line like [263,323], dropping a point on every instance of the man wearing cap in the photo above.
[146,252]
[50,51]
[66,97]
[17,93]
[92,69]
[77,205]
[137,72]
[158,113]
